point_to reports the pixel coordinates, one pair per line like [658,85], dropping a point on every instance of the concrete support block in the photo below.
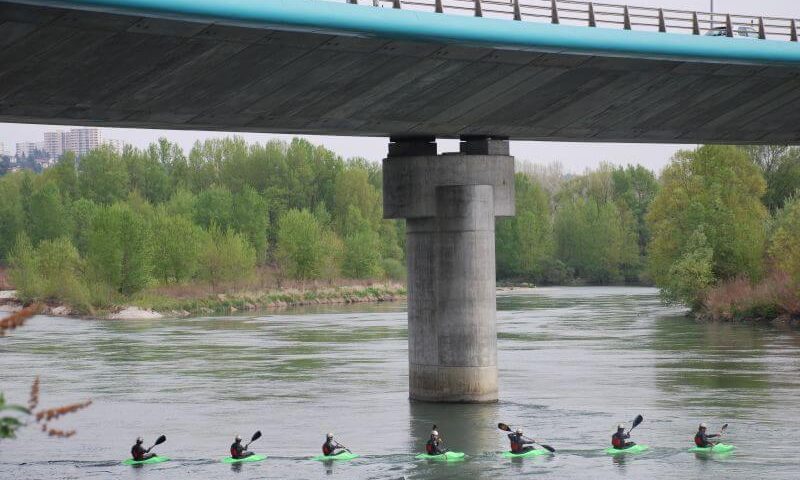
[450,202]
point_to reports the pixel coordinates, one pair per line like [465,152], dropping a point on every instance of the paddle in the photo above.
[506,428]
[636,421]
[440,437]
[256,436]
[159,441]
[345,448]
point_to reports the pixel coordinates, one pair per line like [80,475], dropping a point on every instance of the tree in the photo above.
[784,245]
[103,176]
[780,165]
[362,255]
[50,216]
[715,190]
[635,188]
[352,188]
[65,175]
[214,206]
[120,248]
[12,214]
[177,243]
[691,274]
[226,257]
[147,174]
[251,219]
[301,251]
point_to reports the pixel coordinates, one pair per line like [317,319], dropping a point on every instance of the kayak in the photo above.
[718,448]
[339,456]
[251,458]
[444,457]
[632,449]
[530,453]
[155,459]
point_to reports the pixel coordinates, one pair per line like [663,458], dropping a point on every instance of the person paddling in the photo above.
[330,447]
[618,440]
[139,453]
[701,438]
[238,450]
[435,444]
[519,442]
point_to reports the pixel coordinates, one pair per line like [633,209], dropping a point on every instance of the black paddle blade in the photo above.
[639,419]
[256,436]
[724,427]
[548,448]
[160,440]
[504,427]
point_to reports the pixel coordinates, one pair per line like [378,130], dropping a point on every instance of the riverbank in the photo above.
[774,299]
[159,303]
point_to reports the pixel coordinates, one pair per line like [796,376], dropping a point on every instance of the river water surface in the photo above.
[573,363]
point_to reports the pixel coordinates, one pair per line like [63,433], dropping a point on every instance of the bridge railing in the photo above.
[597,14]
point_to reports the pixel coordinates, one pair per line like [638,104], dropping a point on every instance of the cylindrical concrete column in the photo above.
[450,203]
[452,337]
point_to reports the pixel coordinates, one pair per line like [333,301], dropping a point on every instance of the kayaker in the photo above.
[329,447]
[518,442]
[435,445]
[701,437]
[618,439]
[238,450]
[139,453]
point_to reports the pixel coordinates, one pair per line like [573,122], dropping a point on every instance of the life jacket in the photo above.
[515,446]
[326,449]
[137,453]
[234,453]
[617,441]
[698,440]
[429,448]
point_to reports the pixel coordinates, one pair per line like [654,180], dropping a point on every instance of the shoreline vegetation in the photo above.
[236,226]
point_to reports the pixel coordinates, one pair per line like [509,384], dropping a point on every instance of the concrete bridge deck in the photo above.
[310,67]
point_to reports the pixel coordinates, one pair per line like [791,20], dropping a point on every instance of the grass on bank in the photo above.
[776,297]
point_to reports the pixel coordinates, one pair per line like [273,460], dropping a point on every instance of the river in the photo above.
[573,363]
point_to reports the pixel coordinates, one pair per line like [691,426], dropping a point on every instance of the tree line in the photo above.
[92,230]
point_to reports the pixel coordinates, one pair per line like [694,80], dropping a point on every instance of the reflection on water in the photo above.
[574,362]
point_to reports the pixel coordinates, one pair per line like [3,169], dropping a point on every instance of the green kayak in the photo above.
[718,448]
[251,458]
[631,449]
[339,456]
[442,457]
[530,453]
[155,459]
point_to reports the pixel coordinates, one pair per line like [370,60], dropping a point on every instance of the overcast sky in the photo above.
[575,157]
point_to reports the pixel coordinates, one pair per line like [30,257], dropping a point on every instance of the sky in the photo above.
[574,157]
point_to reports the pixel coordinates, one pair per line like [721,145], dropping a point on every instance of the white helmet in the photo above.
[621,426]
[703,425]
[329,435]
[519,431]
[238,438]
[435,433]
[139,440]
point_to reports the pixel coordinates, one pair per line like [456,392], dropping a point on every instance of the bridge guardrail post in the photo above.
[728,26]
[662,24]
[695,24]
[553,12]
[396,4]
[439,6]
[592,20]
[517,13]
[793,31]
[478,9]
[626,18]
[761,33]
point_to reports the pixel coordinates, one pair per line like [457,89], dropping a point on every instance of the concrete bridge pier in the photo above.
[450,202]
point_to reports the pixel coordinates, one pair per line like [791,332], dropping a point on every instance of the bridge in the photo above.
[484,71]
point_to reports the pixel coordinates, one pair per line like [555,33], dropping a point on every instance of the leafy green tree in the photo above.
[50,216]
[12,215]
[784,245]
[635,188]
[65,175]
[352,189]
[60,269]
[226,257]
[182,202]
[24,269]
[214,206]
[780,165]
[715,190]
[103,176]
[177,243]
[120,248]
[301,250]
[250,217]
[83,211]
[691,275]
[147,175]
[361,248]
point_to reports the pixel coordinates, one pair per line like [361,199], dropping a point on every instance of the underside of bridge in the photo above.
[62,66]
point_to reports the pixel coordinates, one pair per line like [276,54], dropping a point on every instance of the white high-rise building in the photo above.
[54,143]
[4,150]
[82,140]
[25,149]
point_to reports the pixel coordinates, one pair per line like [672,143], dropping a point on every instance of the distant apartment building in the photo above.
[26,149]
[4,150]
[54,143]
[82,140]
